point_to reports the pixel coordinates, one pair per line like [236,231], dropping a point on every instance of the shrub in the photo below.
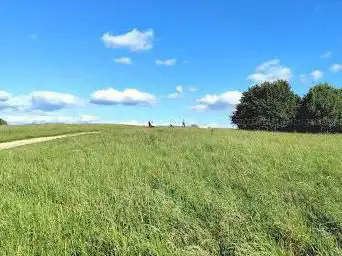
[267,106]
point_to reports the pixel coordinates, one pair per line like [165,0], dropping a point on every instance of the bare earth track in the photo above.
[19,143]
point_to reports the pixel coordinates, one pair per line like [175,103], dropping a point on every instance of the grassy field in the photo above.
[9,133]
[139,191]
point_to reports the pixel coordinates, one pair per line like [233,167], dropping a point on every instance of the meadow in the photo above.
[163,191]
[18,132]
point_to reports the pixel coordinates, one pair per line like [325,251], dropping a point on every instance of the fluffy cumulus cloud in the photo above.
[133,40]
[177,94]
[169,62]
[51,101]
[336,68]
[270,71]
[39,100]
[123,60]
[111,96]
[317,74]
[218,102]
[9,102]
[4,96]
[40,107]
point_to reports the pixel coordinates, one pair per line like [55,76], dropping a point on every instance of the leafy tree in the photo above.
[3,122]
[320,110]
[267,106]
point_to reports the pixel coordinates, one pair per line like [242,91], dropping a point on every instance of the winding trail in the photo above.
[19,143]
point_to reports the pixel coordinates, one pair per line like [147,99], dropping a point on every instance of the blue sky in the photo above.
[134,61]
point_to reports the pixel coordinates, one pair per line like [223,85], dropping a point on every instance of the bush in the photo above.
[269,106]
[3,122]
[320,110]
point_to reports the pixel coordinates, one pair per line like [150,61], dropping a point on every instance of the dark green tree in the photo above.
[268,106]
[320,110]
[3,122]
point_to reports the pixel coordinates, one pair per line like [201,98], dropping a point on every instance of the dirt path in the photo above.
[19,143]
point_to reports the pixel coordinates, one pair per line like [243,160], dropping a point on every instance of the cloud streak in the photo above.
[49,119]
[218,102]
[123,60]
[133,40]
[129,97]
[169,62]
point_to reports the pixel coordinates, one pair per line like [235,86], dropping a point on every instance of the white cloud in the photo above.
[199,107]
[111,96]
[134,40]
[192,89]
[218,102]
[313,76]
[123,60]
[336,68]
[38,107]
[88,118]
[46,119]
[37,119]
[326,55]
[4,96]
[270,71]
[39,100]
[317,74]
[169,62]
[178,93]
[15,102]
[179,89]
[51,101]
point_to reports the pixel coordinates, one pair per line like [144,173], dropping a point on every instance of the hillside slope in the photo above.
[140,191]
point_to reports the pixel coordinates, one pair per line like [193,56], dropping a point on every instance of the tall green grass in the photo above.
[139,191]
[18,132]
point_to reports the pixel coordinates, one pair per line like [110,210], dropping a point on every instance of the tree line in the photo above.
[273,106]
[3,122]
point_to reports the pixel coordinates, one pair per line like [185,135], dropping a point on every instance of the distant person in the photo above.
[150,124]
[183,123]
